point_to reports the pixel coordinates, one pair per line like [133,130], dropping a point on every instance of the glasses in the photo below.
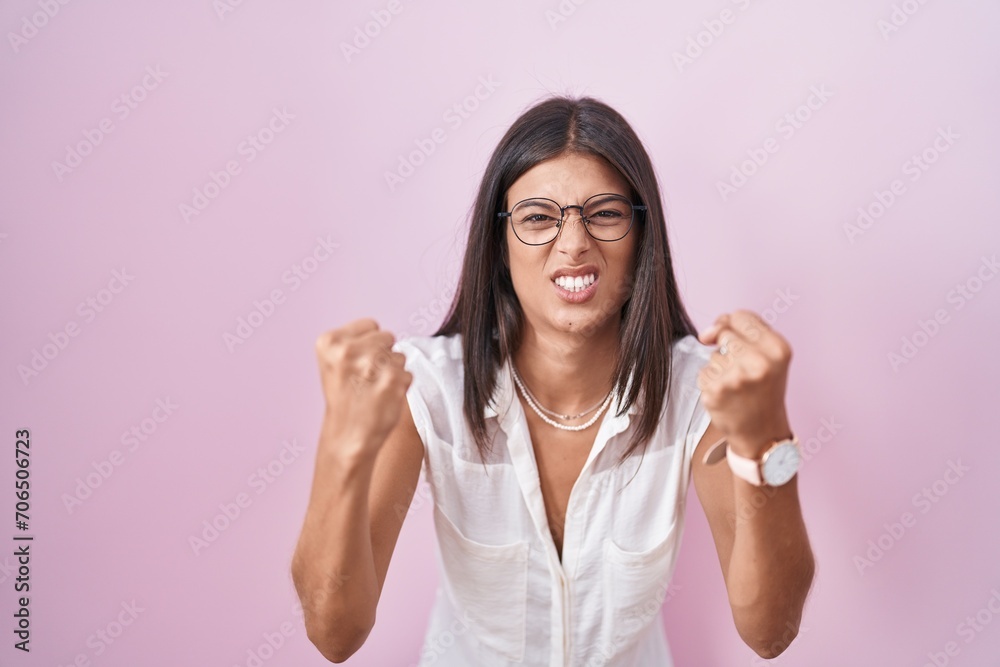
[537,221]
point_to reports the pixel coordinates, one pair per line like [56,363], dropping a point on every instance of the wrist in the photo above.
[754,446]
[345,449]
[776,466]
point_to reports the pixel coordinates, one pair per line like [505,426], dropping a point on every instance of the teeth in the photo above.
[575,284]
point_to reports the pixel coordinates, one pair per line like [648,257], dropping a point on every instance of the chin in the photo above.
[585,324]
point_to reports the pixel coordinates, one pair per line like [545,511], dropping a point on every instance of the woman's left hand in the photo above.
[743,390]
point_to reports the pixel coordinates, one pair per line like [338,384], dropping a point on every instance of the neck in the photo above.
[568,373]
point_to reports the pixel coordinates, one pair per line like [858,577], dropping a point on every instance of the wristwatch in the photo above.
[776,466]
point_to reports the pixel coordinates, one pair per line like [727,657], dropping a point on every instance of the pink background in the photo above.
[778,240]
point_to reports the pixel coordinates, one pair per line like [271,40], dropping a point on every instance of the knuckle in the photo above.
[731,384]
[336,353]
[756,372]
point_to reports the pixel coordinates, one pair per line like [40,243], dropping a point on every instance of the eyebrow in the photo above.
[606,195]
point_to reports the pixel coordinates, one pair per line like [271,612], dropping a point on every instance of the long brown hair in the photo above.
[486,310]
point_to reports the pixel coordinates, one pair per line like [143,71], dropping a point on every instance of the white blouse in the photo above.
[505,598]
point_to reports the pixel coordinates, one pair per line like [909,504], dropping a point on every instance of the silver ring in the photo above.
[724,347]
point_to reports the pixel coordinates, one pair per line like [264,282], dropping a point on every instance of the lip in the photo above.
[583,295]
[576,271]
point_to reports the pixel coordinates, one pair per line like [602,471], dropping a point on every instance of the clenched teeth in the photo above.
[576,284]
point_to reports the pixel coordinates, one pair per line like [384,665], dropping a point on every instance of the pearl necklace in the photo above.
[534,406]
[553,413]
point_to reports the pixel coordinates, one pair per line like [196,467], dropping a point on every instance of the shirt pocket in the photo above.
[489,586]
[635,584]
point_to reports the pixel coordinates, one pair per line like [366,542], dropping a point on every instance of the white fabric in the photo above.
[505,598]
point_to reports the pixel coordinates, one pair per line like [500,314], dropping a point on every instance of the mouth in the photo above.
[576,289]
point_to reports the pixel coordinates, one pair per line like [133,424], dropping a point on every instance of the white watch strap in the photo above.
[741,466]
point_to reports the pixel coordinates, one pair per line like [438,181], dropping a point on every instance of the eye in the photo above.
[535,212]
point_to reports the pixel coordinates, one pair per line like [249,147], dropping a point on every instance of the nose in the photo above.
[573,236]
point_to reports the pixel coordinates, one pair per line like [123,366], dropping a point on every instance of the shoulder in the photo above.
[690,345]
[688,356]
[435,394]
[436,349]
[434,361]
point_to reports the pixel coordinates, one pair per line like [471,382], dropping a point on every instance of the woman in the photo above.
[558,414]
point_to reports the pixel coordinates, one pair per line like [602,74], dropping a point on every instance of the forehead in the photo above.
[568,179]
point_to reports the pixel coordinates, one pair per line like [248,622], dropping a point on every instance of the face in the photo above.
[547,305]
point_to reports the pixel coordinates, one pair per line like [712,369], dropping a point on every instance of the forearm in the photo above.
[333,567]
[771,567]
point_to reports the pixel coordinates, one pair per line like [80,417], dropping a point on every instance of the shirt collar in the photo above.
[503,393]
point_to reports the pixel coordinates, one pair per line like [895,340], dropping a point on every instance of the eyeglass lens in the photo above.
[537,221]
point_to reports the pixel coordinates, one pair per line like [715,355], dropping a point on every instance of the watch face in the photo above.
[781,464]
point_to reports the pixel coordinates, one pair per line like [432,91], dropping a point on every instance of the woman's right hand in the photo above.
[364,383]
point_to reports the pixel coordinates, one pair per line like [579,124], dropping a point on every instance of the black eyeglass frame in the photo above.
[562,216]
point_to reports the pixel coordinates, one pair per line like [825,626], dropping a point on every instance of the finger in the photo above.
[709,335]
[368,372]
[357,327]
[750,324]
[737,341]
[395,359]
[757,331]
[735,344]
[724,333]
[346,332]
[743,356]
[383,340]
